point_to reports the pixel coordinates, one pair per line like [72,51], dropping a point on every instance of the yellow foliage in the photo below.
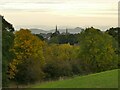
[26,45]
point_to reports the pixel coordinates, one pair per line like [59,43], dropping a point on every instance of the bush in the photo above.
[30,71]
[56,69]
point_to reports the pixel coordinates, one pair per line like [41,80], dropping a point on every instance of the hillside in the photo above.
[107,79]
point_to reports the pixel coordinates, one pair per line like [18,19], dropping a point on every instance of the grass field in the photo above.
[107,79]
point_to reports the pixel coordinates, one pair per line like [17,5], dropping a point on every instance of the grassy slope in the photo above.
[107,79]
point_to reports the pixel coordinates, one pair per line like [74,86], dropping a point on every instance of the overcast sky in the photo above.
[46,14]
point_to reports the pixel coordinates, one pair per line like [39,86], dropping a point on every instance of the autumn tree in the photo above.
[28,62]
[59,60]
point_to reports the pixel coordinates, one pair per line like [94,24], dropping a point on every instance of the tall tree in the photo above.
[7,43]
[28,62]
[97,50]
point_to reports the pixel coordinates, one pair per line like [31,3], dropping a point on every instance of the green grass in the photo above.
[107,79]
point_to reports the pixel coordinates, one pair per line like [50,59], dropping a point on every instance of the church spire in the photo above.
[56,29]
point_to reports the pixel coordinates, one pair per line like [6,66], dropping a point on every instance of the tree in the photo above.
[6,26]
[59,60]
[97,51]
[65,39]
[40,37]
[7,43]
[115,33]
[29,60]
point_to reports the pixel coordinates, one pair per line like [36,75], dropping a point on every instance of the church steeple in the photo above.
[56,29]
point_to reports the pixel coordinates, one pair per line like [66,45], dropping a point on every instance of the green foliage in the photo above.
[40,37]
[64,39]
[97,51]
[59,60]
[30,71]
[115,33]
[56,69]
[6,26]
[7,43]
[54,40]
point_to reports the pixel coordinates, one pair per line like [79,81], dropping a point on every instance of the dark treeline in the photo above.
[29,58]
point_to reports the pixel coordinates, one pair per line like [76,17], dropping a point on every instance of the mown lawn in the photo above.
[107,79]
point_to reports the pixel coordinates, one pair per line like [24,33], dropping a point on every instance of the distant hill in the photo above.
[37,31]
[70,30]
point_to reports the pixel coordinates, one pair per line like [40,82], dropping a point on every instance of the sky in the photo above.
[46,14]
